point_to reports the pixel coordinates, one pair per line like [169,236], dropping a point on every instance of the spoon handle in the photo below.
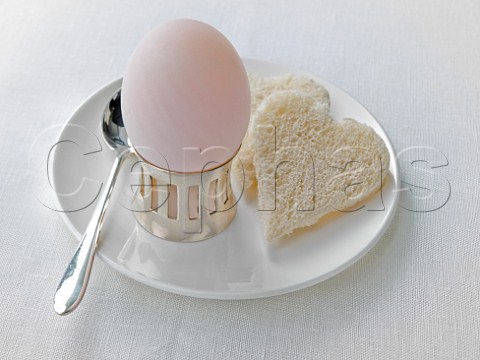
[74,282]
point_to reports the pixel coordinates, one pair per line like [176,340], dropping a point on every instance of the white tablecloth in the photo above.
[416,295]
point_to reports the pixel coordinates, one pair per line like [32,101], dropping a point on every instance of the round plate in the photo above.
[237,264]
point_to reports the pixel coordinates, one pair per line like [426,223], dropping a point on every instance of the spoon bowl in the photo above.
[113,130]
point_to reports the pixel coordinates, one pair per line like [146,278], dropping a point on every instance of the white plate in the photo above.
[237,264]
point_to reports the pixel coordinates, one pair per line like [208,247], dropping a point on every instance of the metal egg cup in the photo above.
[184,207]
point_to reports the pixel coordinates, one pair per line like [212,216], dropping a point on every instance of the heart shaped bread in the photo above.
[308,165]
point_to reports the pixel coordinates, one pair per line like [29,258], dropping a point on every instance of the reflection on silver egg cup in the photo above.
[185,207]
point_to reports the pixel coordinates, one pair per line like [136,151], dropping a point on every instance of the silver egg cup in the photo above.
[184,207]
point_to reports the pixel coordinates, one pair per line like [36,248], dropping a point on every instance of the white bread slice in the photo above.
[308,165]
[260,88]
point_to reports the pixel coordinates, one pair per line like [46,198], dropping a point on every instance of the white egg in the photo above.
[185,97]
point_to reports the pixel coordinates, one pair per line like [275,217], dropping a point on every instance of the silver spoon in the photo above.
[74,282]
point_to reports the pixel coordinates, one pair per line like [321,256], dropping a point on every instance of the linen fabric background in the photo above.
[416,295]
